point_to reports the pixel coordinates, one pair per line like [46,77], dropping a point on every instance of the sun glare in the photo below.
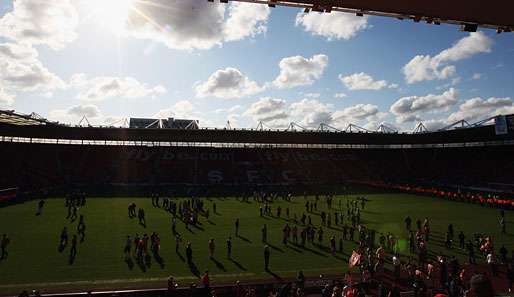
[112,14]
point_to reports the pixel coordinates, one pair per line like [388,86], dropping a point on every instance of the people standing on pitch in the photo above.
[333,245]
[295,234]
[4,243]
[462,239]
[128,248]
[212,248]
[264,233]
[81,228]
[132,210]
[229,247]
[267,254]
[174,225]
[408,223]
[178,240]
[141,217]
[70,206]
[206,282]
[64,239]
[74,213]
[320,236]
[155,200]
[189,253]
[40,206]
[503,225]
[471,252]
[237,226]
[73,250]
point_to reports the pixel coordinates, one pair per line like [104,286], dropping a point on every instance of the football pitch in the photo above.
[34,261]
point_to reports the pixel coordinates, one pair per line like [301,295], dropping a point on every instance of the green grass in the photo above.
[35,263]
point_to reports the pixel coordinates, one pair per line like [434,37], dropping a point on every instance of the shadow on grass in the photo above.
[198,227]
[180,256]
[130,263]
[159,260]
[276,248]
[148,261]
[244,238]
[314,251]
[339,258]
[276,276]
[239,265]
[219,265]
[194,269]
[289,246]
[72,259]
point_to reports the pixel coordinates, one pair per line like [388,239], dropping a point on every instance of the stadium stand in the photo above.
[48,155]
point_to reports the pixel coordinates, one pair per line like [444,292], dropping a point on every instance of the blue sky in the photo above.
[246,63]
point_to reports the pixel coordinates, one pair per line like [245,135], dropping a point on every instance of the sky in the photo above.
[244,64]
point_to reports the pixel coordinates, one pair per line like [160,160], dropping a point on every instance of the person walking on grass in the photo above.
[73,250]
[229,247]
[189,253]
[3,245]
[267,254]
[212,247]
[264,233]
[128,247]
[503,225]
[237,226]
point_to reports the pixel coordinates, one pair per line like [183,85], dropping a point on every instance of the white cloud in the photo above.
[425,67]
[195,24]
[22,71]
[476,76]
[435,124]
[49,22]
[233,119]
[6,99]
[333,25]
[88,110]
[245,20]
[228,110]
[182,109]
[104,87]
[267,109]
[228,83]
[75,113]
[355,114]
[311,112]
[408,109]
[362,81]
[178,24]
[300,71]
[340,95]
[312,95]
[478,108]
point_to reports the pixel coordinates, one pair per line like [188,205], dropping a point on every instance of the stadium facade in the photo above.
[38,154]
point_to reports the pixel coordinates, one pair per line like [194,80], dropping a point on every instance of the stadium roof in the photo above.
[12,118]
[34,127]
[495,14]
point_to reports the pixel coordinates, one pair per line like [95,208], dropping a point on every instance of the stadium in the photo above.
[467,170]
[163,206]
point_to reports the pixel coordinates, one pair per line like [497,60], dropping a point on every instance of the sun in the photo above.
[111,14]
